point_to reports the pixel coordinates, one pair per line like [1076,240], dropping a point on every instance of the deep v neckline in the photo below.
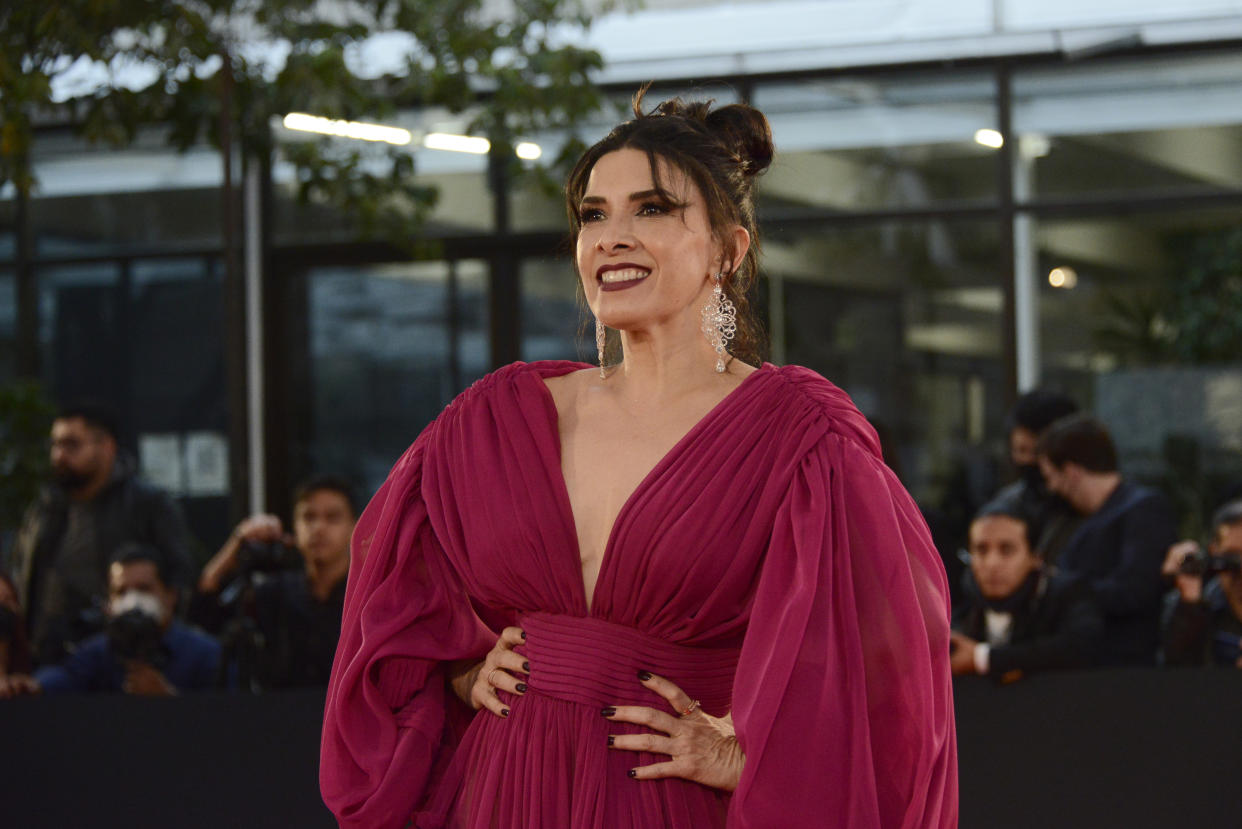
[562,486]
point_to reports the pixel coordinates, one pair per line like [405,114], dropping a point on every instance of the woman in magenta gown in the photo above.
[681,592]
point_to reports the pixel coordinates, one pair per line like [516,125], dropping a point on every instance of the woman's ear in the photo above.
[741,244]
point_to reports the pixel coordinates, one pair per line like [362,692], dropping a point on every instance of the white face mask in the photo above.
[140,600]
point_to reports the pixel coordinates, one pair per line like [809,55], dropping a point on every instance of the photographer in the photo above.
[94,503]
[1203,622]
[289,618]
[1018,616]
[144,650]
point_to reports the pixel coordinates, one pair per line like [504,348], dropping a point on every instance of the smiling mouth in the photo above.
[623,275]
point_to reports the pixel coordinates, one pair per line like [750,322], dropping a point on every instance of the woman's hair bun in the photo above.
[746,132]
[742,129]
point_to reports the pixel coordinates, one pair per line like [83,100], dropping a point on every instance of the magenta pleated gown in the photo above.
[770,564]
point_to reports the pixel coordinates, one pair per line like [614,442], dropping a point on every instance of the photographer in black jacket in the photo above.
[282,594]
[1018,616]
[1203,616]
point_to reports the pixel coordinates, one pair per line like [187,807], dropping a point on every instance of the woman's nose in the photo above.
[617,235]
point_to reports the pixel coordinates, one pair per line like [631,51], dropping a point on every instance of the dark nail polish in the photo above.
[521,687]
[644,675]
[611,740]
[504,712]
[608,712]
[632,773]
[523,636]
[526,667]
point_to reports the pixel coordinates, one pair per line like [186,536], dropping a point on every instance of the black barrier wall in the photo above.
[1137,748]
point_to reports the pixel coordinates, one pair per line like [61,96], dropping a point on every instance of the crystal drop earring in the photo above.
[600,335]
[719,322]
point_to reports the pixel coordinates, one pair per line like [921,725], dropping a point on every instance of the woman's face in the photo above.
[646,256]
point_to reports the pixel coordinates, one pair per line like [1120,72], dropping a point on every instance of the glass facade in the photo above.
[1171,125]
[556,324]
[860,143]
[1148,334]
[388,347]
[893,260]
[8,325]
[145,338]
[905,316]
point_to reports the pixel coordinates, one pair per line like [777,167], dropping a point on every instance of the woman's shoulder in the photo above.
[504,376]
[814,397]
[814,391]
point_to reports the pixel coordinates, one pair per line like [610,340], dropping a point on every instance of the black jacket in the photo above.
[1058,627]
[1207,632]
[1118,551]
[127,509]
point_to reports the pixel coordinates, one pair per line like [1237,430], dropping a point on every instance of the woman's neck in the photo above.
[654,369]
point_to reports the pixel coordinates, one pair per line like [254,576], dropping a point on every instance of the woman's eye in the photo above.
[590,214]
[652,209]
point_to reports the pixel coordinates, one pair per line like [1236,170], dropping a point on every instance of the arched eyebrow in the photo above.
[654,193]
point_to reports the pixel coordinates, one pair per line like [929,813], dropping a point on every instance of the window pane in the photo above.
[8,326]
[1148,335]
[878,142]
[1172,124]
[386,357]
[8,224]
[555,325]
[96,199]
[82,333]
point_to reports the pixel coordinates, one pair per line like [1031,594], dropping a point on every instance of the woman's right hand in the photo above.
[502,668]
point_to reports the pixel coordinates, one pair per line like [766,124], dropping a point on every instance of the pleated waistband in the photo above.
[596,663]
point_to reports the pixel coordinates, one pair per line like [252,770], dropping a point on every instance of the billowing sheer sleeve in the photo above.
[843,699]
[406,614]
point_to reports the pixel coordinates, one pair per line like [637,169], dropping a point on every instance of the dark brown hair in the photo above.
[328,483]
[722,151]
[1080,439]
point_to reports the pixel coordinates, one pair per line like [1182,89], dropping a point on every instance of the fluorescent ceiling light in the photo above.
[528,151]
[346,129]
[989,138]
[456,143]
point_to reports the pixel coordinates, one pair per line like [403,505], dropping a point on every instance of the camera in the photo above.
[267,557]
[135,635]
[1204,564]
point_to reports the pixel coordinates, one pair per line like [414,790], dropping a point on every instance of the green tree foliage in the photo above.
[1193,316]
[1207,298]
[25,421]
[203,63]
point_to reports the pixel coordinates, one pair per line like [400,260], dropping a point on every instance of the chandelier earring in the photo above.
[719,322]
[600,337]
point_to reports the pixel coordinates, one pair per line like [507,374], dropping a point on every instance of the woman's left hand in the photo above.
[700,747]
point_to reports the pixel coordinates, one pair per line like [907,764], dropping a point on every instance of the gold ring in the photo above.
[491,674]
[690,709]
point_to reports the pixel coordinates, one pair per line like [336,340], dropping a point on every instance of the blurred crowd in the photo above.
[1073,565]
[99,592]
